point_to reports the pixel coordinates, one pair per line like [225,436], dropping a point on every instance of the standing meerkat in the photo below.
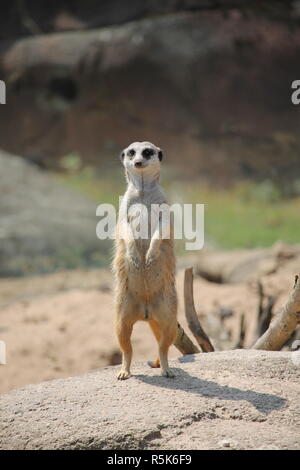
[145,267]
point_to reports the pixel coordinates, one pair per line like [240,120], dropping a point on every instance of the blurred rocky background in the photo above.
[209,80]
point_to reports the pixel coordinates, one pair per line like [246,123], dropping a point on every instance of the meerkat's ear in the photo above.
[122,155]
[160,155]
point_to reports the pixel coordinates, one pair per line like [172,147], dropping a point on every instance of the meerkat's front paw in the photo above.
[168,373]
[135,260]
[123,375]
[151,257]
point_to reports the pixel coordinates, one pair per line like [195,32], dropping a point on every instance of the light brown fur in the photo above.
[144,269]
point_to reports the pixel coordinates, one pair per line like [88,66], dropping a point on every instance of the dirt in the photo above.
[63,324]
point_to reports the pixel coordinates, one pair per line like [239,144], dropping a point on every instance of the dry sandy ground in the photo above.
[63,324]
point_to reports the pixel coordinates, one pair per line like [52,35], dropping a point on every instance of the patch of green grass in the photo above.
[246,216]
[99,186]
[235,221]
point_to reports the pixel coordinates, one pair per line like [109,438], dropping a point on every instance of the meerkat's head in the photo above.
[142,158]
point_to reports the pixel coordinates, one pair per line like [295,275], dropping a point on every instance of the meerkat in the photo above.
[144,267]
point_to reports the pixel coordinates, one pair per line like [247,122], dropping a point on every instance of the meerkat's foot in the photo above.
[167,373]
[123,375]
[154,364]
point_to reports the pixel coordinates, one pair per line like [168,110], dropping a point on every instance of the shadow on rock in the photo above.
[263,402]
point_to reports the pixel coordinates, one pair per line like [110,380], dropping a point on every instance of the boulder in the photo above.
[239,399]
[44,225]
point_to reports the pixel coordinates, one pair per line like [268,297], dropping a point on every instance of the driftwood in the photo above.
[272,338]
[184,344]
[241,340]
[265,311]
[283,324]
[191,315]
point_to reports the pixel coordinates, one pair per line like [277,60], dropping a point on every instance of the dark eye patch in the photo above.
[131,152]
[147,153]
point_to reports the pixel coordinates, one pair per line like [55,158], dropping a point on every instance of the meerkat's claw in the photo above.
[168,373]
[136,263]
[123,375]
[150,259]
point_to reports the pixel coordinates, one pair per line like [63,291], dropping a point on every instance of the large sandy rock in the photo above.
[233,399]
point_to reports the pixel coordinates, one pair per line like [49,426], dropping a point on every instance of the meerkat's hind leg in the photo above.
[163,354]
[167,335]
[124,330]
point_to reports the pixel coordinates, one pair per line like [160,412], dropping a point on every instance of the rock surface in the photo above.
[238,399]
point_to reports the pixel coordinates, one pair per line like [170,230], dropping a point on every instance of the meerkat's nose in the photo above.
[138,164]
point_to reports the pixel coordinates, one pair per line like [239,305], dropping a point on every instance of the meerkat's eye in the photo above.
[131,152]
[147,153]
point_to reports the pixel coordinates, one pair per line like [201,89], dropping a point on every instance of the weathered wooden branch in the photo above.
[191,314]
[241,340]
[265,311]
[283,324]
[184,344]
